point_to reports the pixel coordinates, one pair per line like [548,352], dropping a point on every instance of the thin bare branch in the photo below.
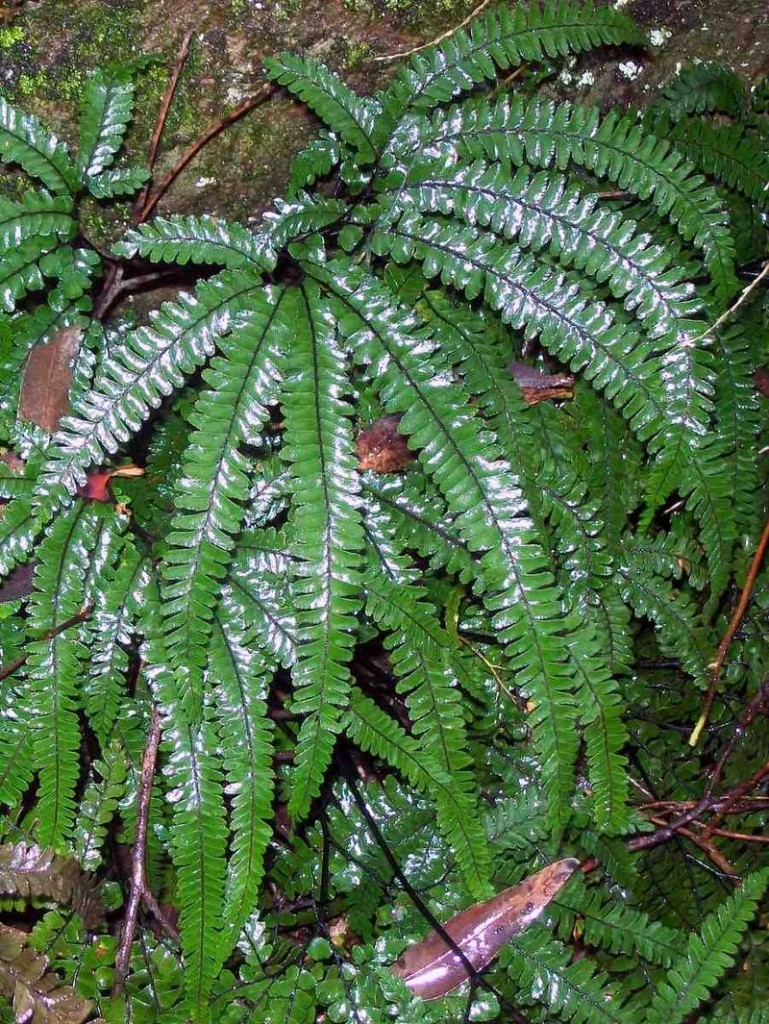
[434,42]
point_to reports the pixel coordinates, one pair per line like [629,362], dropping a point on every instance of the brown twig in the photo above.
[734,624]
[739,791]
[215,129]
[114,279]
[705,845]
[741,298]
[434,42]
[669,829]
[677,806]
[117,284]
[14,666]
[741,836]
[138,890]
[501,86]
[165,106]
[723,802]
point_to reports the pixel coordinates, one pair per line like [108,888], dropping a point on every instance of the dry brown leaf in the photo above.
[431,968]
[48,378]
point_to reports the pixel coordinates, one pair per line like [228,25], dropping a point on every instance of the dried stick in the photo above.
[734,623]
[437,40]
[705,845]
[114,284]
[743,837]
[165,106]
[215,129]
[501,86]
[677,806]
[708,801]
[739,791]
[138,883]
[14,666]
[742,297]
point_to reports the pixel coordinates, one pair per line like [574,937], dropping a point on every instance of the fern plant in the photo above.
[486,657]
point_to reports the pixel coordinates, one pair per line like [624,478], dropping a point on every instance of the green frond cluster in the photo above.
[705,88]
[503,38]
[616,148]
[416,519]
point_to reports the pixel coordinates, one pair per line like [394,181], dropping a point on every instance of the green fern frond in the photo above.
[739,425]
[605,735]
[533,298]
[315,160]
[98,805]
[106,110]
[612,356]
[198,837]
[352,117]
[728,1014]
[725,153]
[326,580]
[579,992]
[16,770]
[116,621]
[37,263]
[241,678]
[709,954]
[214,483]
[612,925]
[615,147]
[420,653]
[301,216]
[378,734]
[706,485]
[504,38]
[670,556]
[117,181]
[614,458]
[552,488]
[266,550]
[704,88]
[542,212]
[21,271]
[263,600]
[431,669]
[681,633]
[37,215]
[54,668]
[25,142]
[181,239]
[485,500]
[149,364]
[417,511]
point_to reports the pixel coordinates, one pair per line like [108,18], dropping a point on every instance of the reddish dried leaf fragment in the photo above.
[96,487]
[761,378]
[538,386]
[381,448]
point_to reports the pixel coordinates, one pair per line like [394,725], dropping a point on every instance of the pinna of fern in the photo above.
[463,231]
